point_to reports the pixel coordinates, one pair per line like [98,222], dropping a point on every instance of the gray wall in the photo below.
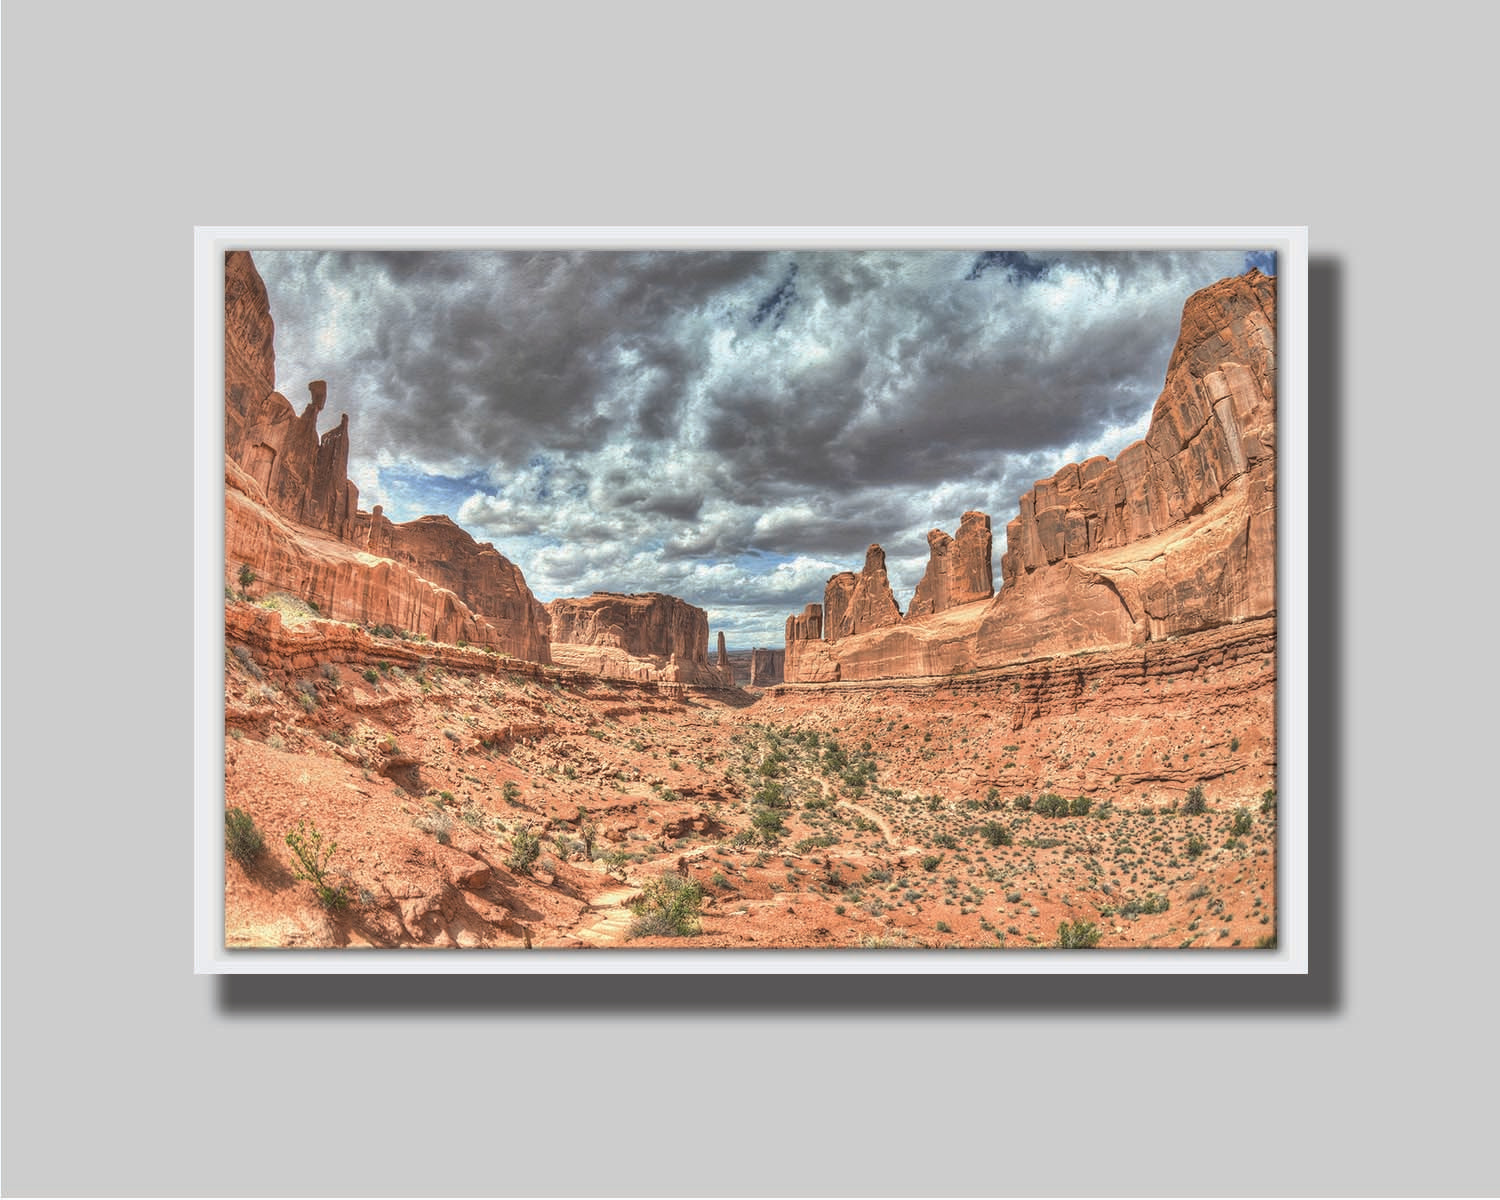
[125,125]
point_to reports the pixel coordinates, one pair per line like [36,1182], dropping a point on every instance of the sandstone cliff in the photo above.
[767,667]
[1175,536]
[959,569]
[858,603]
[649,637]
[284,484]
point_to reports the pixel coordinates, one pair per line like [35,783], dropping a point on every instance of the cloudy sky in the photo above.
[730,427]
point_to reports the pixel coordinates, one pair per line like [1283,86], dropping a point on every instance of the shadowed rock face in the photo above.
[280,462]
[1175,536]
[767,667]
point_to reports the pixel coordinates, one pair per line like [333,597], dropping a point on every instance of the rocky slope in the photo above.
[1175,536]
[285,486]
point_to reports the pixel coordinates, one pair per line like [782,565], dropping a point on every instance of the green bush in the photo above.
[1195,804]
[1242,821]
[1081,806]
[1151,902]
[1268,800]
[1049,804]
[772,795]
[524,848]
[1023,802]
[241,838]
[667,907]
[306,843]
[1196,846]
[930,861]
[371,675]
[768,824]
[996,833]
[1077,935]
[247,577]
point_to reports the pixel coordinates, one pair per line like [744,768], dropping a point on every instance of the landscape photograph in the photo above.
[826,599]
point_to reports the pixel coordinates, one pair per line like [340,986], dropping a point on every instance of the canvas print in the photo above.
[831,599]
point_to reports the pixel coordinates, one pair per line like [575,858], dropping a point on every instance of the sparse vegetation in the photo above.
[667,907]
[1196,803]
[1077,935]
[525,847]
[306,842]
[241,838]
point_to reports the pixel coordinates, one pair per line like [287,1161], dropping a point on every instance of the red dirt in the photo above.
[408,774]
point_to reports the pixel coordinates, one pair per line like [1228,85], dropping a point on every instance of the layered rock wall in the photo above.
[649,637]
[275,458]
[647,625]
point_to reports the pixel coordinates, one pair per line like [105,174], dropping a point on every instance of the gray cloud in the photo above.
[694,422]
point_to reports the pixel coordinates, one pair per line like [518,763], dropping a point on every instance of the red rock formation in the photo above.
[648,625]
[347,585]
[649,637]
[1176,536]
[858,603]
[277,459]
[767,667]
[959,569]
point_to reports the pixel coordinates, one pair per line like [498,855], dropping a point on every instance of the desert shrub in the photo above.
[1023,803]
[1195,804]
[330,672]
[614,862]
[1077,935]
[1081,806]
[371,675]
[1049,804]
[768,824]
[667,907]
[247,660]
[436,822]
[1151,902]
[247,577]
[772,795]
[996,833]
[1242,821]
[1234,744]
[1196,846]
[511,791]
[241,838]
[306,843]
[1268,800]
[524,848]
[945,841]
[930,861]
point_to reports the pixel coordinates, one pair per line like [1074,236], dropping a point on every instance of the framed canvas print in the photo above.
[746,600]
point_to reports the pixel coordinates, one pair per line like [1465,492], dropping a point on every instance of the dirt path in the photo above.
[611,917]
[880,823]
